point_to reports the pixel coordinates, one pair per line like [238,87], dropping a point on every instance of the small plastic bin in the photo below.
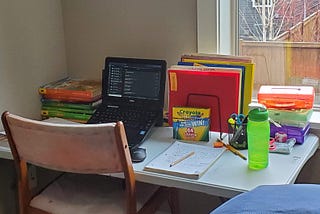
[292,132]
[286,97]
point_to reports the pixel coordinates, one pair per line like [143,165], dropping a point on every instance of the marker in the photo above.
[231,121]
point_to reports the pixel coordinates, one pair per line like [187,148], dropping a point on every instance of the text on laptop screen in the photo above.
[134,80]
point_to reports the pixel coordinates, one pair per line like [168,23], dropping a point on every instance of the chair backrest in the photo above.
[78,148]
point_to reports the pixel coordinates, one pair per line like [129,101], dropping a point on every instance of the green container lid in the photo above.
[258,115]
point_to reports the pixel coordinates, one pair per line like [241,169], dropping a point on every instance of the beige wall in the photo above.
[44,40]
[32,52]
[141,28]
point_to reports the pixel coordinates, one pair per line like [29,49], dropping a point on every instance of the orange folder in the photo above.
[217,90]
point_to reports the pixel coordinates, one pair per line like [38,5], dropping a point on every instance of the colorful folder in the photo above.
[228,61]
[218,90]
[226,68]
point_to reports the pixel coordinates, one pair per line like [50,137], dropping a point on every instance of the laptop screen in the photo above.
[134,81]
[131,80]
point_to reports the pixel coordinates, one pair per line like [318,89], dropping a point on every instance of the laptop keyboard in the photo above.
[131,118]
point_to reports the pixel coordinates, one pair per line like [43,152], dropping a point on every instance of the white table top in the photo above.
[228,176]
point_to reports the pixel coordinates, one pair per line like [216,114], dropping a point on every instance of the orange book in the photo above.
[218,57]
[72,90]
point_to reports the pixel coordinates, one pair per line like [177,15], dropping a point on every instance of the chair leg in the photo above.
[155,201]
[174,200]
[161,195]
[33,210]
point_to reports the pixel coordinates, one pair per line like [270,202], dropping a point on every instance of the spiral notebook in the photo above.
[185,159]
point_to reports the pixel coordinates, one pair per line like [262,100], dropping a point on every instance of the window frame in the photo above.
[217,29]
[218,32]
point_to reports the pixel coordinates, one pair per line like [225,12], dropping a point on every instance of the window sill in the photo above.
[315,121]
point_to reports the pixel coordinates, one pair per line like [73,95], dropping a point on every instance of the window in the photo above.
[282,36]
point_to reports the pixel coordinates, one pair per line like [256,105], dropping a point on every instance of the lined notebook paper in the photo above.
[194,166]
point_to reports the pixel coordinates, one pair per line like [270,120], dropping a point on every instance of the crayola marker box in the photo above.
[190,123]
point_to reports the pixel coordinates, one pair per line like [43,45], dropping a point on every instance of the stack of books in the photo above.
[223,83]
[289,106]
[244,65]
[72,99]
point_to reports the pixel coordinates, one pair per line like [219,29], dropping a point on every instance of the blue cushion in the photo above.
[291,198]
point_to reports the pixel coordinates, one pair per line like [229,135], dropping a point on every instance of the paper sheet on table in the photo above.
[193,166]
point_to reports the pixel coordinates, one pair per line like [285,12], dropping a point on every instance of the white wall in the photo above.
[32,52]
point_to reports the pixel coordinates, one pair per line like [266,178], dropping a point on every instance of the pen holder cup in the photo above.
[240,140]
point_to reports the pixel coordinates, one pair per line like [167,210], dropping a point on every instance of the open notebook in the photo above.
[195,160]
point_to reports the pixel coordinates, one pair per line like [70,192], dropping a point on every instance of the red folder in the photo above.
[217,90]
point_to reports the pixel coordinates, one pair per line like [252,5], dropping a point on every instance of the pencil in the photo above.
[181,159]
[234,151]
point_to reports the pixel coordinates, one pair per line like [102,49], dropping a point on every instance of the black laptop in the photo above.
[132,92]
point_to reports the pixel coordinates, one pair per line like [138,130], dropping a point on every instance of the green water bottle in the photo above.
[258,133]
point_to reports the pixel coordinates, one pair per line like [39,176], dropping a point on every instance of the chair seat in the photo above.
[86,194]
[291,198]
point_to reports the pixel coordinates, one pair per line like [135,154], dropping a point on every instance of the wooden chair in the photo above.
[83,153]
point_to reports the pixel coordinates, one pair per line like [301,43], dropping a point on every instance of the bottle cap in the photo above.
[258,114]
[256,105]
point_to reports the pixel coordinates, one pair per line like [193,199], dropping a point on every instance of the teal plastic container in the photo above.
[258,133]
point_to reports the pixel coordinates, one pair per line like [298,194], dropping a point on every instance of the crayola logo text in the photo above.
[189,114]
